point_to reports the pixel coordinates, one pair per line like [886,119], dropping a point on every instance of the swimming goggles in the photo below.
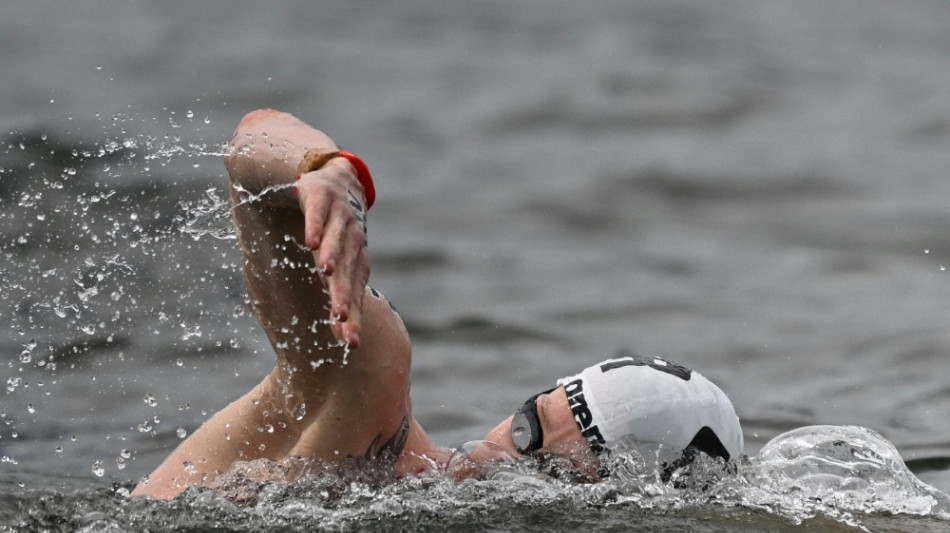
[526,430]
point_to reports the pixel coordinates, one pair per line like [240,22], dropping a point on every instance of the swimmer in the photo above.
[339,391]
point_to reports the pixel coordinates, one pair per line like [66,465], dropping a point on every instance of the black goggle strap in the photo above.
[526,432]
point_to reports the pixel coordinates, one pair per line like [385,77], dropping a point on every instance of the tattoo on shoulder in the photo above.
[378,465]
[390,449]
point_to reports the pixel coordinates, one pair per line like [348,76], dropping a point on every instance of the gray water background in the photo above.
[754,189]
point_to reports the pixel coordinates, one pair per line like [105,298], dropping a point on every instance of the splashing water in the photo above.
[93,264]
[826,478]
[103,286]
[838,471]
[209,216]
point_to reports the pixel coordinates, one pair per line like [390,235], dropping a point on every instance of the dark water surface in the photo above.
[755,189]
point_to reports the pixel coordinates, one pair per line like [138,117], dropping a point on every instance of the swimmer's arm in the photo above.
[326,215]
[258,425]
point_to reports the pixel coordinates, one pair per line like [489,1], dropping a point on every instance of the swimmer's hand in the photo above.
[334,209]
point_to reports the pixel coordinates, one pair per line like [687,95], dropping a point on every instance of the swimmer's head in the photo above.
[648,400]
[638,400]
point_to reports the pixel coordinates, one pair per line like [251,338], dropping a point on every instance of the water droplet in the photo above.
[97,469]
[150,400]
[179,362]
[30,408]
[120,463]
[58,449]
[181,433]
[299,411]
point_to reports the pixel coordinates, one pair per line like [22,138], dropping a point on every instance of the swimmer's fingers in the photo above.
[348,284]
[335,228]
[316,211]
[323,197]
[344,252]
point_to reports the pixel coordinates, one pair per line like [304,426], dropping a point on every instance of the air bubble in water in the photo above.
[150,400]
[181,433]
[97,469]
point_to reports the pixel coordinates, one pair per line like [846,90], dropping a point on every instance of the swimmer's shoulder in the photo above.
[376,294]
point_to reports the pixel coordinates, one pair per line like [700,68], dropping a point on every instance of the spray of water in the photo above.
[105,301]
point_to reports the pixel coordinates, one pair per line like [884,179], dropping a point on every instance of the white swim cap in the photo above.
[653,401]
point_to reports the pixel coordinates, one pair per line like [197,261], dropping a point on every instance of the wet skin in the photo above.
[306,267]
